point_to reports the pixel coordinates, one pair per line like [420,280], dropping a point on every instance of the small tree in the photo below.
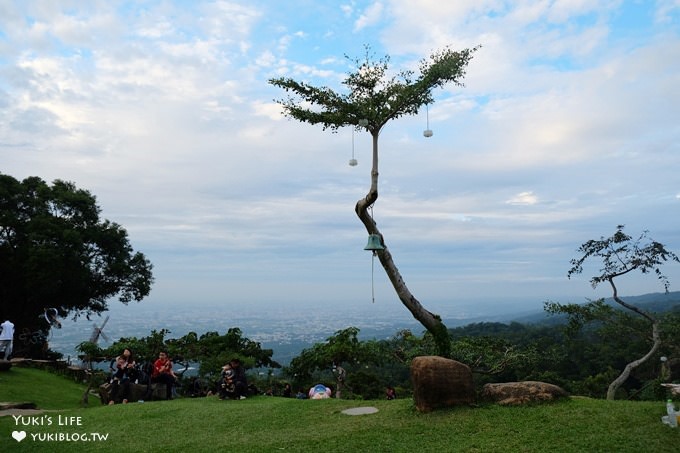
[343,348]
[373,100]
[90,353]
[620,255]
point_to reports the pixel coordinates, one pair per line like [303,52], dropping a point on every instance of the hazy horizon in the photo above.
[275,326]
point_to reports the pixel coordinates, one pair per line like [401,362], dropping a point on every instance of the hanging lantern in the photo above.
[427,132]
[374,243]
[353,162]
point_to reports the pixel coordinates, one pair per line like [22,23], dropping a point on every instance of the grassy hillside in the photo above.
[271,424]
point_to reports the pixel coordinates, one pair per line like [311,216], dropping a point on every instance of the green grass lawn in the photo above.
[272,424]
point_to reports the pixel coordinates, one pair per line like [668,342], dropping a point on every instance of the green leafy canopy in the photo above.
[373,94]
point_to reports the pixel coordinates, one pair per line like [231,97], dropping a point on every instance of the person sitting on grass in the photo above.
[162,373]
[240,380]
[390,393]
[123,371]
[227,387]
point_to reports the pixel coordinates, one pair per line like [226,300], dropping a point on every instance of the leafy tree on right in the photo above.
[620,255]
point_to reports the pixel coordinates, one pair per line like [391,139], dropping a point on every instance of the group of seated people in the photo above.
[233,383]
[124,370]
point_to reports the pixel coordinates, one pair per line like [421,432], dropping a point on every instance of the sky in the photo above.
[567,125]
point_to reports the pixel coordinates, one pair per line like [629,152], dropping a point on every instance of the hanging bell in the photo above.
[374,243]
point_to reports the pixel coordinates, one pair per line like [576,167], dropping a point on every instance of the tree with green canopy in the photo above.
[338,351]
[58,258]
[375,98]
[210,350]
[620,255]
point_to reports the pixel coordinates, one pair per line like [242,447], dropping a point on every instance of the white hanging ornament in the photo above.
[427,132]
[353,162]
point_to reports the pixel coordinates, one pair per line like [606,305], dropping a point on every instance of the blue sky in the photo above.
[566,127]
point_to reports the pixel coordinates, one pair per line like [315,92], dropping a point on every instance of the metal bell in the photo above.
[374,243]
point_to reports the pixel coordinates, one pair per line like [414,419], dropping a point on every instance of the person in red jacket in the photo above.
[162,373]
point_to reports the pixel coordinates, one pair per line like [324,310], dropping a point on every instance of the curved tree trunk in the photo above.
[430,321]
[656,343]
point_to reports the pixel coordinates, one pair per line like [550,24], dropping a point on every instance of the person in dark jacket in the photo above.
[239,379]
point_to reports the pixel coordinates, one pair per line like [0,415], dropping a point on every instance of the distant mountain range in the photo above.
[652,302]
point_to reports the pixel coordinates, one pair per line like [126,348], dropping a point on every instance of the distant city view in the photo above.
[286,330]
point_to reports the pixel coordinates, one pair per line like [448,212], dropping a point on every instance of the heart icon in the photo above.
[19,435]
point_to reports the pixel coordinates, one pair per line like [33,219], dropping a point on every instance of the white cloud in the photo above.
[347,9]
[160,28]
[369,17]
[523,198]
[266,59]
[665,10]
[271,110]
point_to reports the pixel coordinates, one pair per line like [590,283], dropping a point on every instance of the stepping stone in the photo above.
[360,411]
[10,405]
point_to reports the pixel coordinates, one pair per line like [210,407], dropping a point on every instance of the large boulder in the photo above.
[515,393]
[440,383]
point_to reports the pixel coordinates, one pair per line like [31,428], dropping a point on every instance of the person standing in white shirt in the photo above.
[6,337]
